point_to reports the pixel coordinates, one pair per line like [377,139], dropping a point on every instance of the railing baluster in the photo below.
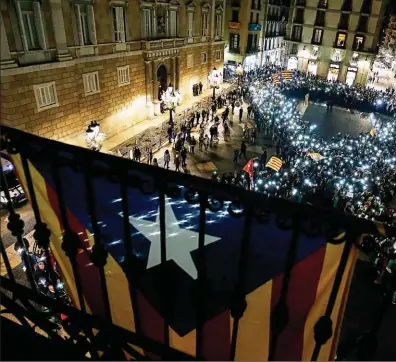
[165,281]
[240,297]
[6,261]
[323,328]
[280,314]
[201,268]
[15,225]
[99,254]
[70,245]
[42,233]
[129,259]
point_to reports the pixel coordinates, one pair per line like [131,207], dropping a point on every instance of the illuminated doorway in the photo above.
[333,72]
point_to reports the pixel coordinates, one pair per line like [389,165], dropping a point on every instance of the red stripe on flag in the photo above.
[89,274]
[301,295]
[217,337]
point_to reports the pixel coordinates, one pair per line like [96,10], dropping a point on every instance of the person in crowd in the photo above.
[166,159]
[149,155]
[243,150]
[155,162]
[193,142]
[235,156]
[183,155]
[240,114]
[177,163]
[206,142]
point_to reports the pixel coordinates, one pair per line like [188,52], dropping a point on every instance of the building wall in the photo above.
[115,107]
[349,58]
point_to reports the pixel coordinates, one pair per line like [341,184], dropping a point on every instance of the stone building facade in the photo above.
[336,39]
[254,31]
[67,62]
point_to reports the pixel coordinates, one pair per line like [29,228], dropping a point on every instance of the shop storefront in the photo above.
[351,76]
[312,67]
[334,70]
[292,63]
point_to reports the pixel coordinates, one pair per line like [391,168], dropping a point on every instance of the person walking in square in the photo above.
[240,114]
[243,150]
[236,155]
[166,159]
[177,163]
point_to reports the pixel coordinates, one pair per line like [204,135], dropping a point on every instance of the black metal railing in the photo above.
[97,335]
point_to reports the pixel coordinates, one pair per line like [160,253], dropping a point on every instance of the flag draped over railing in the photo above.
[310,272]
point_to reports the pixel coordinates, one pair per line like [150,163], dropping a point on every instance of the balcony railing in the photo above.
[85,204]
[234,50]
[252,49]
[234,25]
[254,27]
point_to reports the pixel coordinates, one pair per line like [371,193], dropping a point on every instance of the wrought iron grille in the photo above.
[98,335]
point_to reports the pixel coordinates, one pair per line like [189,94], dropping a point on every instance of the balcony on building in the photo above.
[234,50]
[252,49]
[254,27]
[234,25]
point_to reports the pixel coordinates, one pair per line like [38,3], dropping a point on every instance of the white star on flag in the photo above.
[179,242]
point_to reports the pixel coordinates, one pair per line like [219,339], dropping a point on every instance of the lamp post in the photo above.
[214,81]
[239,73]
[171,98]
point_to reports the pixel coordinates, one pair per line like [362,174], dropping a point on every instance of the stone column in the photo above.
[212,20]
[5,56]
[155,88]
[173,71]
[149,82]
[58,27]
[177,75]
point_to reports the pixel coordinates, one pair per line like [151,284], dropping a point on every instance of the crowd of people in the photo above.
[46,278]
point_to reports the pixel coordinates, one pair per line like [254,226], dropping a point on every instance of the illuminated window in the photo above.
[340,40]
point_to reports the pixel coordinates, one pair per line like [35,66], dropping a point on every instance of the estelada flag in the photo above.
[373,132]
[249,167]
[315,156]
[137,298]
[275,163]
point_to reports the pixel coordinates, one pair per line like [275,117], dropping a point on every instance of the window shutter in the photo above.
[91,24]
[40,25]
[21,27]
[79,25]
[120,21]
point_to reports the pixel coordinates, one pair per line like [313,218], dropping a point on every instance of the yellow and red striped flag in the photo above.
[315,156]
[373,132]
[135,303]
[275,163]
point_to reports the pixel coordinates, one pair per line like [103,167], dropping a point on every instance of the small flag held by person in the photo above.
[275,163]
[249,168]
[373,132]
[315,156]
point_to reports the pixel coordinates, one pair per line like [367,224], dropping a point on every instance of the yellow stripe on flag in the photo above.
[318,309]
[186,344]
[254,326]
[373,132]
[315,156]
[275,163]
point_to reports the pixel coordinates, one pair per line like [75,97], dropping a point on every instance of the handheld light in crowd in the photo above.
[19,251]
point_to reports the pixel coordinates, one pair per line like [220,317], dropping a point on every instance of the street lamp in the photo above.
[214,80]
[171,98]
[239,72]
[93,137]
